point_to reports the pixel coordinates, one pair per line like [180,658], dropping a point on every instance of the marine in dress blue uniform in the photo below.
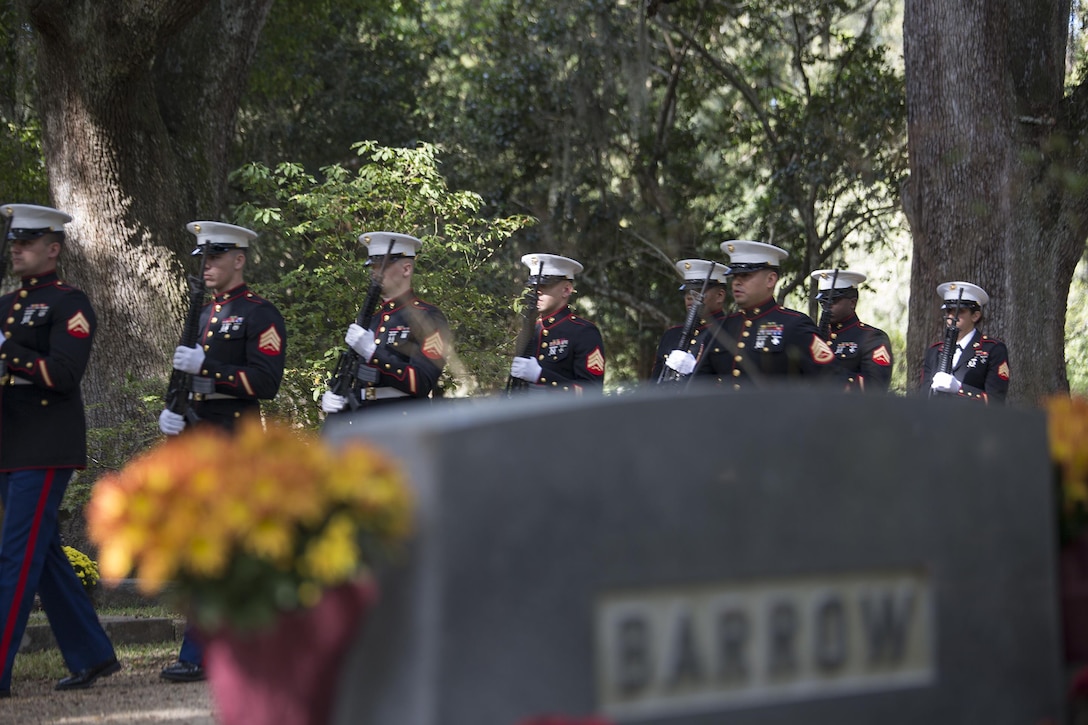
[237,362]
[406,346]
[863,353]
[48,329]
[774,344]
[980,364]
[705,354]
[570,352]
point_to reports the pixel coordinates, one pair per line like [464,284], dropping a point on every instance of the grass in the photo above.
[37,616]
[48,665]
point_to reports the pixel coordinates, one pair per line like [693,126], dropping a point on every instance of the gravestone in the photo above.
[770,558]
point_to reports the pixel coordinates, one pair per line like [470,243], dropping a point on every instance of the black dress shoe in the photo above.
[5,693]
[182,672]
[86,678]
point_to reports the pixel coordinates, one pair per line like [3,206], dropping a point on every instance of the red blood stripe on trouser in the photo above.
[24,569]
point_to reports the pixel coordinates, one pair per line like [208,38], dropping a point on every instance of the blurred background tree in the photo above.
[22,168]
[632,140]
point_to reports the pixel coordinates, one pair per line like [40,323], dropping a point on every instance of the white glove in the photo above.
[171,423]
[681,361]
[333,403]
[525,368]
[945,383]
[189,359]
[360,340]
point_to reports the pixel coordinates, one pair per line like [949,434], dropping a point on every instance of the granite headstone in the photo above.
[765,558]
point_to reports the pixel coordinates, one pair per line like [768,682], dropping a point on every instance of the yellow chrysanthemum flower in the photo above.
[270,539]
[206,555]
[237,516]
[196,505]
[334,555]
[1067,420]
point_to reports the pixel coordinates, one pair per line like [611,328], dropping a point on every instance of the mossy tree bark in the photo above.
[999,165]
[138,102]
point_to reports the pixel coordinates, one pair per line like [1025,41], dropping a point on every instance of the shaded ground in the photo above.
[133,695]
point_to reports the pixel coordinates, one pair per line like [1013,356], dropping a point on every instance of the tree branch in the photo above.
[732,76]
[627,300]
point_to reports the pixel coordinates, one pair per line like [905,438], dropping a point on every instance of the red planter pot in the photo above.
[287,675]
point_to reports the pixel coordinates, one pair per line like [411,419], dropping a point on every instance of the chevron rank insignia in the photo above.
[78,325]
[1003,371]
[270,342]
[881,356]
[595,362]
[433,347]
[821,353]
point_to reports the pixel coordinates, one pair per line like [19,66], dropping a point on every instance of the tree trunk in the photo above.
[138,102]
[997,161]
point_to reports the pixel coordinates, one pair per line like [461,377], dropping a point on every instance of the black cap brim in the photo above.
[837,294]
[377,257]
[961,304]
[736,267]
[697,284]
[547,279]
[217,249]
[28,234]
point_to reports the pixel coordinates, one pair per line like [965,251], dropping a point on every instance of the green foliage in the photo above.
[898,384]
[109,448]
[821,135]
[1077,52]
[329,72]
[317,275]
[1076,331]
[22,170]
[638,143]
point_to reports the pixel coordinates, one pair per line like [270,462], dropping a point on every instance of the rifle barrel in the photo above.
[951,337]
[825,315]
[668,375]
[526,335]
[181,383]
[345,378]
[4,257]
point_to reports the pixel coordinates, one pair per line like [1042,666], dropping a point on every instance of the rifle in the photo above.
[668,375]
[181,383]
[951,337]
[526,340]
[351,369]
[5,258]
[825,316]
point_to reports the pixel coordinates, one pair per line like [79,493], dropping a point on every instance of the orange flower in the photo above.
[155,569]
[1067,420]
[266,512]
[115,560]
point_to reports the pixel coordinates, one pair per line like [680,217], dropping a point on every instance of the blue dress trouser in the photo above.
[32,560]
[192,651]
